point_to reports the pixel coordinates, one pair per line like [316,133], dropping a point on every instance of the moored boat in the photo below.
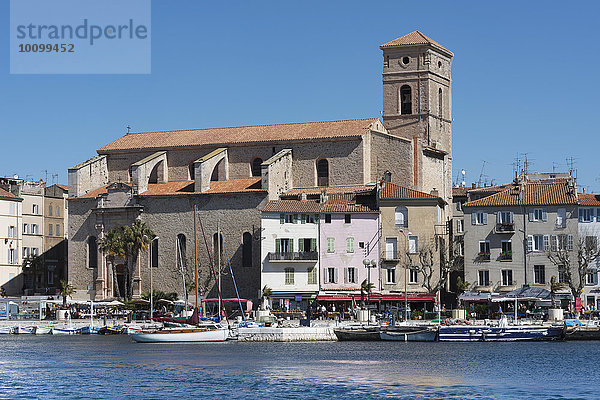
[202,333]
[357,334]
[414,334]
[24,330]
[5,330]
[43,330]
[64,331]
[510,333]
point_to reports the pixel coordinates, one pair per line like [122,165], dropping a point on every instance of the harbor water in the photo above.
[83,367]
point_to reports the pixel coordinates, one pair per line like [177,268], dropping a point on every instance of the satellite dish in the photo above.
[463,172]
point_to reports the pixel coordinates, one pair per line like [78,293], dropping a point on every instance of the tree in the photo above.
[555,286]
[65,290]
[575,258]
[267,292]
[137,238]
[31,266]
[113,245]
[435,264]
[365,288]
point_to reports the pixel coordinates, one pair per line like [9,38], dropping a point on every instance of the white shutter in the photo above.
[499,217]
[345,275]
[529,243]
[544,215]
[335,275]
[511,216]
[570,242]
[474,218]
[531,214]
[553,243]
[485,217]
[546,242]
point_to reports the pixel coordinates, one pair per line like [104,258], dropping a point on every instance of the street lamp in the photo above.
[405,275]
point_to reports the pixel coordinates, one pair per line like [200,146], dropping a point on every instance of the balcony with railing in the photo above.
[296,256]
[505,227]
[506,256]
[391,256]
[484,256]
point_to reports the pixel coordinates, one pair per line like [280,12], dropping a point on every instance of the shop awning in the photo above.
[377,297]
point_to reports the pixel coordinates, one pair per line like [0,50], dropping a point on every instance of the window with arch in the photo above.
[181,251]
[156,175]
[405,100]
[92,252]
[256,166]
[247,250]
[401,217]
[440,102]
[323,172]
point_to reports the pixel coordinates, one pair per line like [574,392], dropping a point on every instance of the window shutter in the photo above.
[553,243]
[300,244]
[598,214]
[303,218]
[345,275]
[295,218]
[511,216]
[313,244]
[544,215]
[485,218]
[529,243]
[530,214]
[546,242]
[499,217]
[325,274]
[281,218]
[278,245]
[591,214]
[335,275]
[580,215]
[291,245]
[474,218]
[317,218]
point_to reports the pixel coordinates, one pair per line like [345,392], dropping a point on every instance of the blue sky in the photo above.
[523,80]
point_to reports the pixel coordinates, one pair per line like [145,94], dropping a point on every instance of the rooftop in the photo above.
[413,39]
[5,195]
[353,128]
[393,191]
[530,193]
[336,203]
[588,199]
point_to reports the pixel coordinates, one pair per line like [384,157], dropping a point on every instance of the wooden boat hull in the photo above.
[64,331]
[43,330]
[344,335]
[24,330]
[181,335]
[423,335]
[483,333]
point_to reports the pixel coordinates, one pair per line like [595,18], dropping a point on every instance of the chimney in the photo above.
[472,186]
[323,197]
[302,196]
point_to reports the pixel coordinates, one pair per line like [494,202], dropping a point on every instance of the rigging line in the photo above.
[234,284]
[213,269]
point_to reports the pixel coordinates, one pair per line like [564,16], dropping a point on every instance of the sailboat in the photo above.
[193,330]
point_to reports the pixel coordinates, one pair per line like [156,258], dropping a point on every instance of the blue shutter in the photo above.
[544,215]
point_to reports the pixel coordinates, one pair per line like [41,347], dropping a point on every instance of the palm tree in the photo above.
[365,287]
[65,290]
[267,292]
[555,286]
[113,244]
[137,237]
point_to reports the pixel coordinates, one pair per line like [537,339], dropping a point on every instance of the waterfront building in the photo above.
[414,241]
[230,174]
[11,242]
[589,231]
[508,234]
[55,237]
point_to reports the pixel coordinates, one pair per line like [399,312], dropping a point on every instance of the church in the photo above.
[229,175]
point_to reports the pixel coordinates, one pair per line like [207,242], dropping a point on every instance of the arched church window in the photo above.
[405,100]
[322,172]
[256,166]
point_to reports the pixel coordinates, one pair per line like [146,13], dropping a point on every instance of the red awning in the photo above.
[412,297]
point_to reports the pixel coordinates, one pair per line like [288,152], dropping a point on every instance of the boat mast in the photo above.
[196,255]
[218,257]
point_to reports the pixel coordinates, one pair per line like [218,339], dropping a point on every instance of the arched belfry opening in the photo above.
[323,172]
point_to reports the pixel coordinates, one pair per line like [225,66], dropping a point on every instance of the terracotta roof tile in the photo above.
[328,190]
[588,199]
[240,134]
[63,187]
[336,203]
[556,193]
[459,191]
[393,191]
[243,185]
[411,39]
[5,195]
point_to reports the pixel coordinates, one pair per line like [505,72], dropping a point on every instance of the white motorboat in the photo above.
[64,331]
[24,330]
[202,333]
[43,330]
[6,330]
